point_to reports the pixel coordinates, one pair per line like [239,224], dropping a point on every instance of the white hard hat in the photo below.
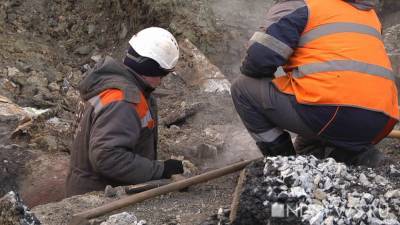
[158,44]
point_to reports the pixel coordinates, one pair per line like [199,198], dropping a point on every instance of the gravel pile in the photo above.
[305,190]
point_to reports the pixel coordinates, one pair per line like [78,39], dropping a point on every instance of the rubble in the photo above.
[307,191]
[14,212]
[123,218]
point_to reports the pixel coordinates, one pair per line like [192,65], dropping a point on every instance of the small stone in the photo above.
[298,192]
[96,58]
[317,219]
[364,180]
[394,171]
[124,31]
[329,220]
[123,218]
[380,180]
[283,196]
[91,28]
[174,127]
[54,87]
[358,216]
[12,71]
[393,194]
[368,197]
[319,194]
[83,50]
[110,192]
[350,213]
[206,151]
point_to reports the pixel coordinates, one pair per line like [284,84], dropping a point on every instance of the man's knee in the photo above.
[236,87]
[246,87]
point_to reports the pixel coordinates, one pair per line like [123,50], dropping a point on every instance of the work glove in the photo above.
[171,167]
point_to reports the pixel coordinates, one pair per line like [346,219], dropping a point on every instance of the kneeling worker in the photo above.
[116,140]
[337,89]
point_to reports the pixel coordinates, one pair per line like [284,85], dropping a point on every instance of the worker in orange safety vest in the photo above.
[335,88]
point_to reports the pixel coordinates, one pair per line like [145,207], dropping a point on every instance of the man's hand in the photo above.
[171,167]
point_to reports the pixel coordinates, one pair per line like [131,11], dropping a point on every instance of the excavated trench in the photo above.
[48,45]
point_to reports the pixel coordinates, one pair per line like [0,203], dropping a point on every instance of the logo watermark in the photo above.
[285,210]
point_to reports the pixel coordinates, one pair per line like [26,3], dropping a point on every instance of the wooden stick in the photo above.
[394,134]
[236,196]
[83,217]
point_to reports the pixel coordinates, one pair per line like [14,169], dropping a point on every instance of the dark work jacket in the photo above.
[111,147]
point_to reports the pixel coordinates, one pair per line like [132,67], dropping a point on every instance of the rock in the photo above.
[381,180]
[47,142]
[393,194]
[54,87]
[8,88]
[364,180]
[37,79]
[124,32]
[14,212]
[317,219]
[123,218]
[10,116]
[368,198]
[320,194]
[353,202]
[12,71]
[83,50]
[112,192]
[329,221]
[391,39]
[23,66]
[91,29]
[208,76]
[394,172]
[206,151]
[96,58]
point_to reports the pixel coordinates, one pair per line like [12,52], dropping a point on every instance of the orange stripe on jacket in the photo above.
[112,95]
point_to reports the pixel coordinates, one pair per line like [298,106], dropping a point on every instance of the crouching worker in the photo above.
[116,141]
[336,90]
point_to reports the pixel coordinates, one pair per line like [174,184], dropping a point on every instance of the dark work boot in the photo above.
[281,146]
[370,157]
[308,146]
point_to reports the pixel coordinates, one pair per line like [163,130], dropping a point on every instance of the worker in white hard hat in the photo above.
[116,140]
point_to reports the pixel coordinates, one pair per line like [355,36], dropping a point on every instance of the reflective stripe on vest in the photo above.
[343,65]
[272,43]
[341,60]
[112,95]
[339,27]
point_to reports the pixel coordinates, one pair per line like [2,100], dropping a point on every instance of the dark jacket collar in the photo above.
[110,73]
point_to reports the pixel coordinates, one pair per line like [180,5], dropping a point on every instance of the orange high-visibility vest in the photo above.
[111,95]
[341,60]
